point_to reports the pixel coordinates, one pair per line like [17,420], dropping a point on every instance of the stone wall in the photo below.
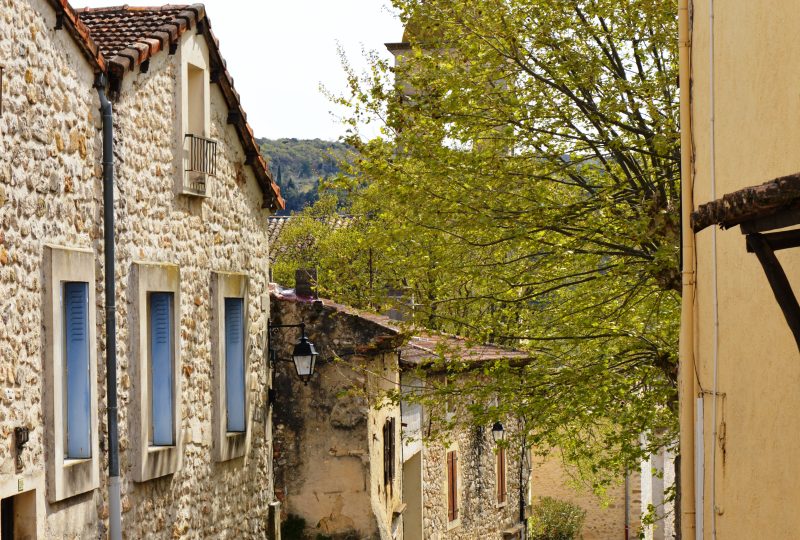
[605,517]
[51,193]
[225,232]
[480,515]
[328,434]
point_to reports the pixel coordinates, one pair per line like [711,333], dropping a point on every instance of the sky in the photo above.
[280,51]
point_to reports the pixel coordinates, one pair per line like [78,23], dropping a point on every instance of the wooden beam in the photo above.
[781,240]
[781,287]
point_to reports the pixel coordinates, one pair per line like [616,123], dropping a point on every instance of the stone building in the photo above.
[463,485]
[192,197]
[331,453]
[337,453]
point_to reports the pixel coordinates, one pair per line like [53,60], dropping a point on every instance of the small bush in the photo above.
[553,519]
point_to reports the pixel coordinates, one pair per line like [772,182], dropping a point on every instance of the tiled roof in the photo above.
[66,16]
[423,347]
[277,224]
[125,37]
[129,36]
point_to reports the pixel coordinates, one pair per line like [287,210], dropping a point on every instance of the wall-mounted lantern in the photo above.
[21,436]
[304,354]
[498,432]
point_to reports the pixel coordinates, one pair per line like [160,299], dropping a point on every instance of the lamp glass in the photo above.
[305,358]
[498,432]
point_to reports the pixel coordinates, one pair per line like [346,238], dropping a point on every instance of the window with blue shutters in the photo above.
[162,385]
[77,382]
[234,364]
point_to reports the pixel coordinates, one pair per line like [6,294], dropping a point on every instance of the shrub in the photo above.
[553,519]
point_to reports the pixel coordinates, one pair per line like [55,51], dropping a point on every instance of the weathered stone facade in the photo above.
[329,438]
[51,194]
[479,515]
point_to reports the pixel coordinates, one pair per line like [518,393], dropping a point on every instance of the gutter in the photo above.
[115,514]
[687,393]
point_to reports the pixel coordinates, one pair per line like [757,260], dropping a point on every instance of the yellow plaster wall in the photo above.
[757,115]
[605,518]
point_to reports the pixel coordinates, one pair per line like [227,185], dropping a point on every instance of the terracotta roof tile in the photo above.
[117,28]
[277,224]
[128,36]
[423,347]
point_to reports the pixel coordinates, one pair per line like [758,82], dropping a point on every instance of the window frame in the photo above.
[228,444]
[194,55]
[153,461]
[389,453]
[501,476]
[67,477]
[452,484]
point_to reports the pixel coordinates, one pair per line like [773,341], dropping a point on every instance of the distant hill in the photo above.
[298,164]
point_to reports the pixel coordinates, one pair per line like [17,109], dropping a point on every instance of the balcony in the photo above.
[200,163]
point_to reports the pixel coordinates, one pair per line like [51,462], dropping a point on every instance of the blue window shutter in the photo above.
[162,403]
[78,374]
[234,363]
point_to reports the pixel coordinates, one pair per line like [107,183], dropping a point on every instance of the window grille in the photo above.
[202,162]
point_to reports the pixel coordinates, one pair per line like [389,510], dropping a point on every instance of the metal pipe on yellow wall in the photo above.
[686,386]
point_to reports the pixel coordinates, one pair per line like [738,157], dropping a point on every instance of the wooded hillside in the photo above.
[298,165]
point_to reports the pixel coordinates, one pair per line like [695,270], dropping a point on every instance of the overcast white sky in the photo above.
[279,51]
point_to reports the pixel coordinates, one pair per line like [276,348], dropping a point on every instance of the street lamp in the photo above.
[304,354]
[498,432]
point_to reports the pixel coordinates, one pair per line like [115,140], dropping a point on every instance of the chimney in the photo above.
[305,282]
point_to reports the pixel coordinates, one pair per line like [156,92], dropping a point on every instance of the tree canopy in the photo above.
[525,191]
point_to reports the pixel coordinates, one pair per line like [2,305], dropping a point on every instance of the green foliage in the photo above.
[298,165]
[553,519]
[525,191]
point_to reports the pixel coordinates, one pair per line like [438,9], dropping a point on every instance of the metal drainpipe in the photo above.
[114,507]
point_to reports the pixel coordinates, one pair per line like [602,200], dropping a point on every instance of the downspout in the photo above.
[627,504]
[114,514]
[687,394]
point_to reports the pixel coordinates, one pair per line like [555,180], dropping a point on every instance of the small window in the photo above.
[234,364]
[69,364]
[160,369]
[452,485]
[501,475]
[77,376]
[229,352]
[388,452]
[155,395]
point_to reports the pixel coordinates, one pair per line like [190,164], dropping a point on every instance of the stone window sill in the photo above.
[454,524]
[75,462]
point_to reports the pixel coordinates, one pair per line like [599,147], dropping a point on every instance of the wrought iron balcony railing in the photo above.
[201,162]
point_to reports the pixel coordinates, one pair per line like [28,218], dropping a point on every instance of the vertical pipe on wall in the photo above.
[115,515]
[687,391]
[699,465]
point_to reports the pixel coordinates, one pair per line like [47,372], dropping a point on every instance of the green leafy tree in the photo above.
[525,191]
